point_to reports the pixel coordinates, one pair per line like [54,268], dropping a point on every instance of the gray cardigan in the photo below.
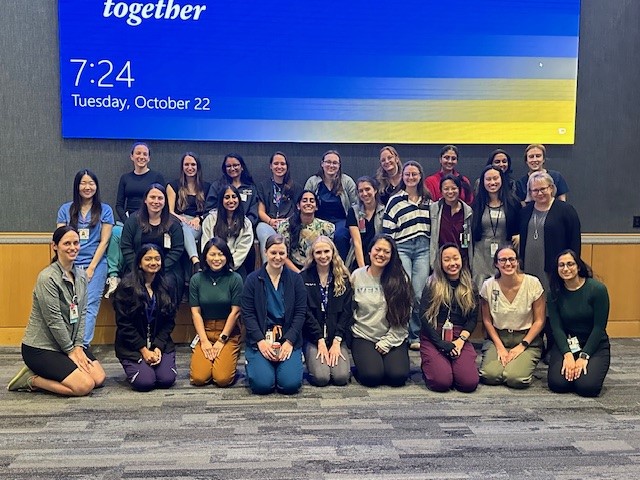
[348,196]
[435,211]
[50,326]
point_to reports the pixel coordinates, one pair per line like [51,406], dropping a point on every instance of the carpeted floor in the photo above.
[322,433]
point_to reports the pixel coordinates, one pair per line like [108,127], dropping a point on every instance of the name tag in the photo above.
[167,240]
[83,233]
[73,313]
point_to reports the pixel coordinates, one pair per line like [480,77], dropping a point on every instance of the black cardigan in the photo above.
[561,231]
[339,315]
[254,306]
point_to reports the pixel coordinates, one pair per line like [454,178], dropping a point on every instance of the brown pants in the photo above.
[223,368]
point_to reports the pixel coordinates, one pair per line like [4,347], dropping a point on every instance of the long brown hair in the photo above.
[183,187]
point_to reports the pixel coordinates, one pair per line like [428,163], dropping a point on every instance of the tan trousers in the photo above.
[223,368]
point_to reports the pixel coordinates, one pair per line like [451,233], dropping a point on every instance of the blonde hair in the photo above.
[381,175]
[540,176]
[338,268]
[443,294]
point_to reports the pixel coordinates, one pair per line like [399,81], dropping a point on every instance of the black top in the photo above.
[338,316]
[270,192]
[192,207]
[131,189]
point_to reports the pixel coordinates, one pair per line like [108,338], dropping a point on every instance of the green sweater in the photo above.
[215,301]
[583,313]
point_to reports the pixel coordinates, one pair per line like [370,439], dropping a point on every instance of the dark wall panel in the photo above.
[37,166]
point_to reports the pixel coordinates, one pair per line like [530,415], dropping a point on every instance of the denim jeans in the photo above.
[94,295]
[263,232]
[191,237]
[414,255]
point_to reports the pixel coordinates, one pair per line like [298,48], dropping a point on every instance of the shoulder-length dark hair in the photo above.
[395,285]
[183,187]
[506,246]
[57,236]
[423,192]
[245,176]
[131,295]
[221,245]
[223,227]
[143,212]
[336,184]
[584,270]
[287,181]
[480,202]
[295,222]
[76,204]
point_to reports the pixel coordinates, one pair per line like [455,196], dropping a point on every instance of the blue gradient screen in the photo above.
[413,71]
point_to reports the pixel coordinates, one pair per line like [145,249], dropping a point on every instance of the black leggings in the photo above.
[588,385]
[374,368]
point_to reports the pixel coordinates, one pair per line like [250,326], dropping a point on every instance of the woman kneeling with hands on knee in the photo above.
[513,314]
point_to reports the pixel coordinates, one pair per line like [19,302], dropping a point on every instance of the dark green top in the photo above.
[583,313]
[215,301]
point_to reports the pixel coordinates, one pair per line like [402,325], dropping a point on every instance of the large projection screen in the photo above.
[449,71]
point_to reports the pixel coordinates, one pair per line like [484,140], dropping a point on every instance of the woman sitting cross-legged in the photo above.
[214,296]
[329,314]
[449,314]
[145,316]
[382,299]
[274,306]
[513,314]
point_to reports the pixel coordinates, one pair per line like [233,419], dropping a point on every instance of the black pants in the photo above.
[588,385]
[374,368]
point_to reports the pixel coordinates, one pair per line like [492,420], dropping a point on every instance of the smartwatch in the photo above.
[525,344]
[223,338]
[584,356]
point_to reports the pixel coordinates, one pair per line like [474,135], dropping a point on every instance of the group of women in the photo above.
[392,231]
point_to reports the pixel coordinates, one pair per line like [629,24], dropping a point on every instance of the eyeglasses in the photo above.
[561,265]
[536,191]
[233,166]
[504,261]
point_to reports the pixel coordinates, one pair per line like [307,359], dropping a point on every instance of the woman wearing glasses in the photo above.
[336,192]
[578,311]
[513,314]
[448,162]
[547,227]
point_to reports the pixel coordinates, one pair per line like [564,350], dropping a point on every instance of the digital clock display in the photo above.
[415,71]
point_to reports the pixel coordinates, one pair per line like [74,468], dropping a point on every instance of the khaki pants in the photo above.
[517,373]
[223,368]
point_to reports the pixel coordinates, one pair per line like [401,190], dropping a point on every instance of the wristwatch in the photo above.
[338,339]
[463,337]
[584,356]
[223,338]
[525,344]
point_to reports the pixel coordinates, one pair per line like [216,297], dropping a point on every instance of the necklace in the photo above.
[538,221]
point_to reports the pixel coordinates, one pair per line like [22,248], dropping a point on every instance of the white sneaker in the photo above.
[112,284]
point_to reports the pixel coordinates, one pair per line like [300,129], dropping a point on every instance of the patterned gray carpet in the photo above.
[322,433]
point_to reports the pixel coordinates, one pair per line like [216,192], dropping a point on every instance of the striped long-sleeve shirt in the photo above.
[405,220]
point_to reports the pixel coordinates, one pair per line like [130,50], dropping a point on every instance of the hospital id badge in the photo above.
[167,240]
[83,233]
[243,197]
[494,248]
[574,344]
[73,313]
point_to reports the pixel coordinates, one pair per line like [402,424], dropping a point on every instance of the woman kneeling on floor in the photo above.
[214,296]
[52,346]
[382,299]
[513,314]
[449,313]
[145,316]
[274,306]
[329,314]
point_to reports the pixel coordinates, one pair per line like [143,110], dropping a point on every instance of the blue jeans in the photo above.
[263,232]
[266,376]
[94,295]
[191,236]
[115,259]
[414,255]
